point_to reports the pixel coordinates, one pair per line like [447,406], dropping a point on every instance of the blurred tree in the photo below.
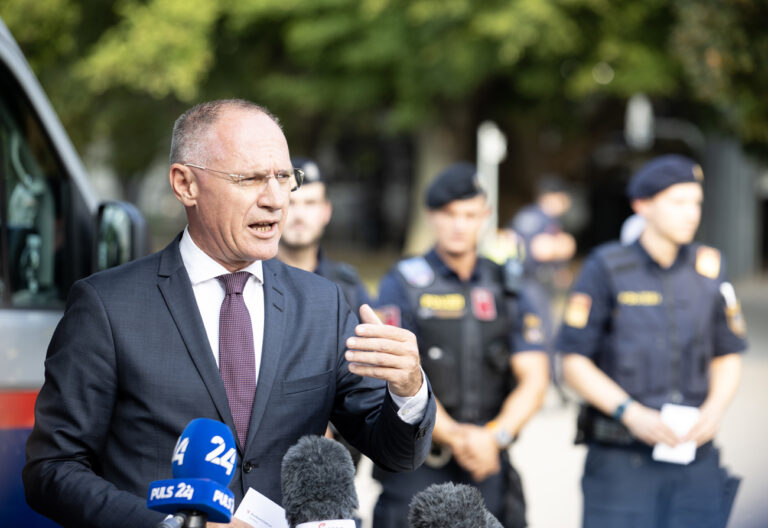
[723,48]
[431,68]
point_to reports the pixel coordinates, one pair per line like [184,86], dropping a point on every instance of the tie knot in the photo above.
[234,282]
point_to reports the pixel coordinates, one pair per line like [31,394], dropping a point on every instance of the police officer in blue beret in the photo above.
[308,215]
[651,338]
[482,346]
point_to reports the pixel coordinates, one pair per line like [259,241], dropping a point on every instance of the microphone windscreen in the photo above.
[318,481]
[441,505]
[205,449]
[491,521]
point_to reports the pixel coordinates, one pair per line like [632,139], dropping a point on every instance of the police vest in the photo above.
[463,335]
[347,278]
[660,336]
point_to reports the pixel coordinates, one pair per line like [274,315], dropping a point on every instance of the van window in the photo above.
[33,200]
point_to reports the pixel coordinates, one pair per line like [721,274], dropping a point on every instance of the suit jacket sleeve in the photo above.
[72,420]
[367,417]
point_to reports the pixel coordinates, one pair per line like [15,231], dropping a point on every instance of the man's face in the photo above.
[237,224]
[673,213]
[556,203]
[457,225]
[310,212]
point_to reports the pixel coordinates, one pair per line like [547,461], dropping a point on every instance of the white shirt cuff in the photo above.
[412,408]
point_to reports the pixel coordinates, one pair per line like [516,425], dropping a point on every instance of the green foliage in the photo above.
[124,70]
[723,47]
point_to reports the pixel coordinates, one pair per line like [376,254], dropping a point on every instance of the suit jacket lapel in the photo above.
[176,289]
[274,329]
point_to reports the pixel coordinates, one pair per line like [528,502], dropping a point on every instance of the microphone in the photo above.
[454,505]
[203,465]
[318,484]
[491,521]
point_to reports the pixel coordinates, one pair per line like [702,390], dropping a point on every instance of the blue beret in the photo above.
[311,170]
[662,172]
[457,182]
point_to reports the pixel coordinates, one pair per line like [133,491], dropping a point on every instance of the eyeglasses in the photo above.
[287,179]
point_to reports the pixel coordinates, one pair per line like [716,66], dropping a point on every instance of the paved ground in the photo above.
[551,465]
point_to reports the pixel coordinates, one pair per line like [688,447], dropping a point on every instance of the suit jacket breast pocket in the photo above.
[309,385]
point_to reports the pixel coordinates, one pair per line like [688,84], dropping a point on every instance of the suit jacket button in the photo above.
[247,467]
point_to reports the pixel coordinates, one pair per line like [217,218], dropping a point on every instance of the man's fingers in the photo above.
[666,435]
[368,316]
[378,344]
[388,374]
[385,331]
[378,359]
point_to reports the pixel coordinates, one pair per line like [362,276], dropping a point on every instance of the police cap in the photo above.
[663,172]
[310,168]
[457,182]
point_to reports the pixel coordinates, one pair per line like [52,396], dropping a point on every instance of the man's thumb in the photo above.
[368,316]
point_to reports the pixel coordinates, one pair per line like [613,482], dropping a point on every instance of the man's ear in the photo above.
[640,205]
[327,212]
[184,184]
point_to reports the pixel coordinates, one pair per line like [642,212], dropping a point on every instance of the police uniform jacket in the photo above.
[467,331]
[653,330]
[347,279]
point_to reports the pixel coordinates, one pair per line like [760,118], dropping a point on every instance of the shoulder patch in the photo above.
[708,262]
[416,271]
[577,310]
[533,332]
[389,314]
[733,316]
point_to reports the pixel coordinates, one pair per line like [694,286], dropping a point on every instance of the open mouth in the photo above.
[265,228]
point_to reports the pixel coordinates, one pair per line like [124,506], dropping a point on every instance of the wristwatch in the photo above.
[502,437]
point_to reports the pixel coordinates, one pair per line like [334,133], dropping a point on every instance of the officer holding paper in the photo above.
[651,339]
[482,346]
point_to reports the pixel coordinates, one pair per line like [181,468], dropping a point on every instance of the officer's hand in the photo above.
[478,453]
[385,352]
[705,427]
[646,425]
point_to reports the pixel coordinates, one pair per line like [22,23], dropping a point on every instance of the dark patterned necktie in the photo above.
[237,363]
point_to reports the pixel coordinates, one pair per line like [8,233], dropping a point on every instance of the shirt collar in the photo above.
[201,267]
[441,268]
[682,253]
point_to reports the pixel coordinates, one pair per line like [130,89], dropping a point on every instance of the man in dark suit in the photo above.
[211,327]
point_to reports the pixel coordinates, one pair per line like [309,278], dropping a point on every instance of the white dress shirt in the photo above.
[210,293]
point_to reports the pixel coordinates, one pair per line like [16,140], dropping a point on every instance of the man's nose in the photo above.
[272,196]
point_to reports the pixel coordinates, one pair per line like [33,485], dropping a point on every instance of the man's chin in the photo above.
[297,245]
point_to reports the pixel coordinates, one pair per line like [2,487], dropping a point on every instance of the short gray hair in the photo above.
[192,126]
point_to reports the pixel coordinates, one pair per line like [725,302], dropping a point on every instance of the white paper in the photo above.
[336,523]
[679,418]
[260,512]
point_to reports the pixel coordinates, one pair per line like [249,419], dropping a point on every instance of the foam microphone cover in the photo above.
[443,505]
[318,481]
[491,521]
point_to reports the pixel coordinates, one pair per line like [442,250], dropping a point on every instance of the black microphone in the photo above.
[491,521]
[449,504]
[318,484]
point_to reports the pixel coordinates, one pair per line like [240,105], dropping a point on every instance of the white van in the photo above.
[53,231]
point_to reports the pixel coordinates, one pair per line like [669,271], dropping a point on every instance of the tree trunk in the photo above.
[436,148]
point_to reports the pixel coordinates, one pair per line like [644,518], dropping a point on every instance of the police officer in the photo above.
[547,246]
[548,249]
[651,335]
[309,213]
[481,345]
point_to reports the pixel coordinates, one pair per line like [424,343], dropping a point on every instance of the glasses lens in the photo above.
[298,179]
